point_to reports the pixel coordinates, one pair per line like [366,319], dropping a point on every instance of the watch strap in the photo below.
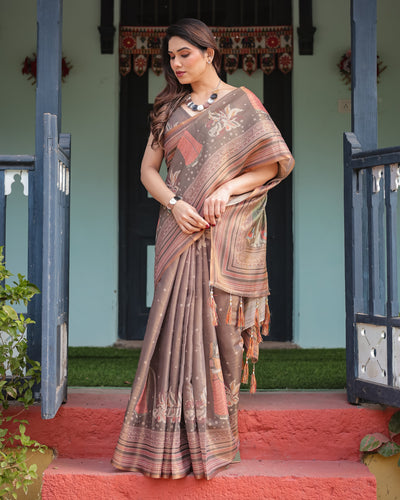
[173,201]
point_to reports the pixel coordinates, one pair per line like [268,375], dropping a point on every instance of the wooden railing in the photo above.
[52,199]
[10,166]
[372,180]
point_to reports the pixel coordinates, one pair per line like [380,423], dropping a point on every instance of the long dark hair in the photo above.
[198,34]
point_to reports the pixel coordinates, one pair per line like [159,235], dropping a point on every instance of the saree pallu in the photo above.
[210,294]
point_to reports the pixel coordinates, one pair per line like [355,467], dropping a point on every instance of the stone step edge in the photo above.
[74,479]
[333,433]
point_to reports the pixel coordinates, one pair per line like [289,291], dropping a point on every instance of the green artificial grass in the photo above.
[276,368]
[301,369]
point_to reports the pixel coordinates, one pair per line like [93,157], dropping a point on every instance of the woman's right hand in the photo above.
[187,218]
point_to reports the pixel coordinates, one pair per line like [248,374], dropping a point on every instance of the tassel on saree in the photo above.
[252,352]
[251,348]
[245,374]
[265,327]
[253,381]
[257,323]
[213,306]
[240,321]
[228,319]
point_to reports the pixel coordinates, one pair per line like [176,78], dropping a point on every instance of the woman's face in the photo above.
[188,62]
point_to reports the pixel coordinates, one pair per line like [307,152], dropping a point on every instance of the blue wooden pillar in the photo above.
[365,127]
[363,67]
[358,194]
[48,100]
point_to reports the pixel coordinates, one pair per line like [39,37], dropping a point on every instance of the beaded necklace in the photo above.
[200,107]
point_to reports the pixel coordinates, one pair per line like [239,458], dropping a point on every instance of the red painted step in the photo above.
[274,426]
[94,479]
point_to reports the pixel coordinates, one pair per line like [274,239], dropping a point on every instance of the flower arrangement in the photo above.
[344,66]
[29,68]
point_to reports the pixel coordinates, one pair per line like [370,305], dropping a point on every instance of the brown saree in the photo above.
[210,297]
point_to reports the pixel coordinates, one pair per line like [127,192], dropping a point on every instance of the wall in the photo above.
[319,310]
[90,114]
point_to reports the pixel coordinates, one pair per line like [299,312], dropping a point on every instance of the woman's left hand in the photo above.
[215,204]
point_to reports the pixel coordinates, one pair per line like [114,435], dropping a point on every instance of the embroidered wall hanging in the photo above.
[250,48]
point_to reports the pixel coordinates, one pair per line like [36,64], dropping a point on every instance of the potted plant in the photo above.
[381,454]
[18,374]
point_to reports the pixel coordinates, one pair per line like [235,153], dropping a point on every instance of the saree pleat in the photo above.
[182,414]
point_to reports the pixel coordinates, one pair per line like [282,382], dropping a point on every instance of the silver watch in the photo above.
[172,202]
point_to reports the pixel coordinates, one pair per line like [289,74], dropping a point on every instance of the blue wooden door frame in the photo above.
[48,100]
[55,283]
[48,225]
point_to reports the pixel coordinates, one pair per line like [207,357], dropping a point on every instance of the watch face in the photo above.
[172,202]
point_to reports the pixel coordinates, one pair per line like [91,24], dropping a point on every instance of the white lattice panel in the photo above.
[9,179]
[63,340]
[396,356]
[372,353]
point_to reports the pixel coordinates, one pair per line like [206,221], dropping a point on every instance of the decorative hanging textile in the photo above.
[249,48]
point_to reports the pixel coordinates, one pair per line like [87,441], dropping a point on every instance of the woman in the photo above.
[223,154]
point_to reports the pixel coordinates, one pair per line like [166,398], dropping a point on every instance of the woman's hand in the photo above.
[215,204]
[187,218]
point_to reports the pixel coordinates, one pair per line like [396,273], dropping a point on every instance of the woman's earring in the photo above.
[209,62]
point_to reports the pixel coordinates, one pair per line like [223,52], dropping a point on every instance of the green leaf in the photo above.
[10,311]
[11,391]
[28,397]
[33,468]
[389,449]
[372,442]
[394,424]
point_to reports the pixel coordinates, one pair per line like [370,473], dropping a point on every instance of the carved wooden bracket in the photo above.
[306,29]
[107,28]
